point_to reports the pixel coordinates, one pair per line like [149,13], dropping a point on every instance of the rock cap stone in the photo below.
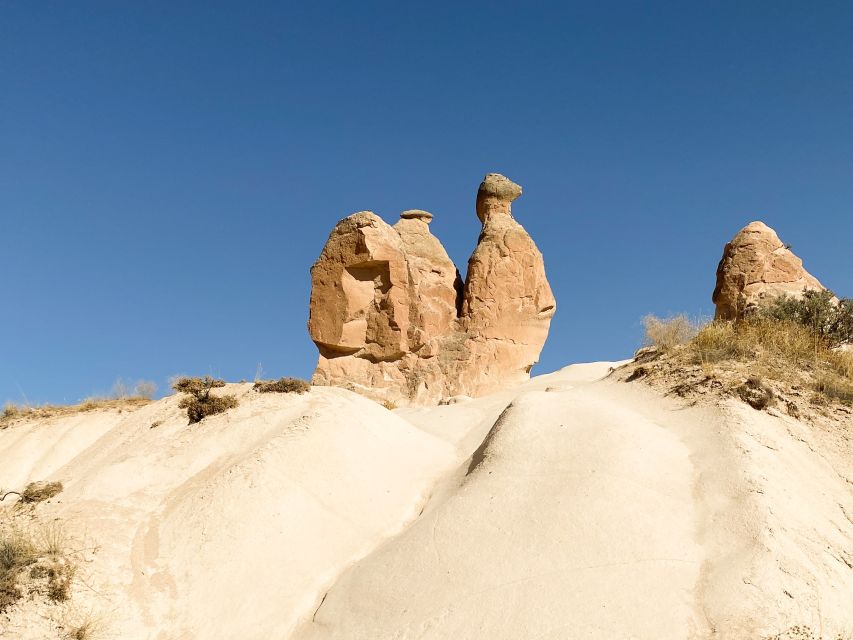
[495,196]
[417,214]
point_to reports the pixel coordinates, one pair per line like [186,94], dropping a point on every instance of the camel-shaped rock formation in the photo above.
[393,321]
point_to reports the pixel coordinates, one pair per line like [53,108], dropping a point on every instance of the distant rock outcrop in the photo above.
[392,320]
[755,268]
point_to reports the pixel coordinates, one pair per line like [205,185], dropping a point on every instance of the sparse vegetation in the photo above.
[199,402]
[282,385]
[785,350]
[790,345]
[668,333]
[804,632]
[13,411]
[756,339]
[34,561]
[389,405]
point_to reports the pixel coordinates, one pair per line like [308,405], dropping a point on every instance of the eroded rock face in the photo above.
[508,304]
[392,320]
[757,267]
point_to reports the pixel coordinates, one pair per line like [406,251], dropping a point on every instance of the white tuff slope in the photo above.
[570,507]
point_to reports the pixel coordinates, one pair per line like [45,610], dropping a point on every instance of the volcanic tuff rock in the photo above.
[755,268]
[392,320]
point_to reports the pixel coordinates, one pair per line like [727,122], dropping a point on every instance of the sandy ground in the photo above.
[575,506]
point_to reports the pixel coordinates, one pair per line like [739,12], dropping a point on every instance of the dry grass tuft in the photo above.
[757,339]
[282,385]
[668,333]
[87,629]
[835,387]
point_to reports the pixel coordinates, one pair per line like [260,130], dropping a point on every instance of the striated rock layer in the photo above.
[393,321]
[755,268]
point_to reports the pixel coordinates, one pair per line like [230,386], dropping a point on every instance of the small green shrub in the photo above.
[282,385]
[668,333]
[818,311]
[199,403]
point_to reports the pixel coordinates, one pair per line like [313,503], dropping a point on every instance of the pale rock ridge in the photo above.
[757,267]
[392,320]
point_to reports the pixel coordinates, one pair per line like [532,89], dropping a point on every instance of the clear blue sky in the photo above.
[170,170]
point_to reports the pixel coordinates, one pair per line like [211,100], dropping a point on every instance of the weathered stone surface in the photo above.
[755,268]
[434,280]
[392,320]
[508,304]
[359,294]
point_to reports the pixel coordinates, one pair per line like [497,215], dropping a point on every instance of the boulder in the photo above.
[757,267]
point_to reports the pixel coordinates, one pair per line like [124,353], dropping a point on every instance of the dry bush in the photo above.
[388,404]
[40,491]
[10,410]
[668,333]
[140,389]
[144,389]
[755,393]
[198,410]
[282,385]
[199,403]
